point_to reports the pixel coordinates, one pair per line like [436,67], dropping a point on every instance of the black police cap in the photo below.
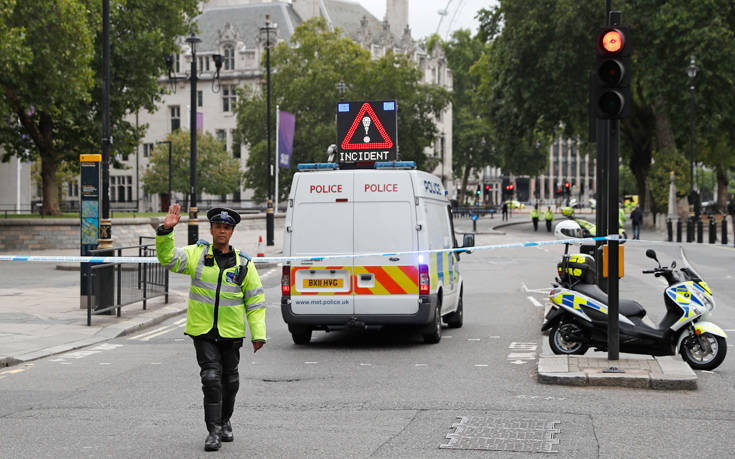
[223,215]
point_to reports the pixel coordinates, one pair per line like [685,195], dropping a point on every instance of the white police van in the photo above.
[383,211]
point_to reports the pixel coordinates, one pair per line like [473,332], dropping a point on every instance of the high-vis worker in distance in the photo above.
[225,290]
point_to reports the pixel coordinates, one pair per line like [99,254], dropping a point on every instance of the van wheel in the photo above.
[435,335]
[300,334]
[455,319]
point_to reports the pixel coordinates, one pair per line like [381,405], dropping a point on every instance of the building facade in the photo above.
[231,28]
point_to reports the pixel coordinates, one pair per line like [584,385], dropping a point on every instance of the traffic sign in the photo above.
[367,131]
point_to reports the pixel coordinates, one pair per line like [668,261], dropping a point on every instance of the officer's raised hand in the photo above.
[173,216]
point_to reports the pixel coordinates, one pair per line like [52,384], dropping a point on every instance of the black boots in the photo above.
[227,431]
[212,417]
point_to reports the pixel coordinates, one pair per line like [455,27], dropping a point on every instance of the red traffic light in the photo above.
[612,40]
[487,187]
[566,184]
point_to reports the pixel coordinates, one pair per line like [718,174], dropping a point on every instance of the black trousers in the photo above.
[548,225]
[218,361]
[535,223]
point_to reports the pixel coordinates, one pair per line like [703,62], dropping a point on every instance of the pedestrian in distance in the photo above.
[636,218]
[549,217]
[535,216]
[505,210]
[225,290]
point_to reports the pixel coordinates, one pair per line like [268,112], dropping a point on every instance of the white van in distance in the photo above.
[382,211]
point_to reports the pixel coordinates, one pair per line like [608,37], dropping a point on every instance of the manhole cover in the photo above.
[504,434]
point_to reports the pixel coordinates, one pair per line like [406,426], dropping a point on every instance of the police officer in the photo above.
[549,217]
[534,217]
[225,289]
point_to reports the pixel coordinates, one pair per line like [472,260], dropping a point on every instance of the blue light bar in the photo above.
[395,164]
[316,166]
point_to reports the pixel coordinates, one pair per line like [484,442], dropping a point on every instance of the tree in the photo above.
[51,95]
[217,171]
[308,70]
[536,69]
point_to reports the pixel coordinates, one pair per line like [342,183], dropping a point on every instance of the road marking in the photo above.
[155,363]
[730,329]
[163,332]
[535,302]
[494,337]
[539,397]
[446,336]
[366,364]
[521,352]
[308,363]
[421,365]
[106,347]
[105,363]
[481,365]
[149,332]
[79,354]
[473,339]
[13,371]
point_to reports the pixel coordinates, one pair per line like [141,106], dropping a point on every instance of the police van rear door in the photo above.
[385,221]
[322,225]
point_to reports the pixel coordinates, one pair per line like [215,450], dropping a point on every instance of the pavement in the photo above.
[40,321]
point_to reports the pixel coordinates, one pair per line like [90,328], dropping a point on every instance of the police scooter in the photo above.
[578,318]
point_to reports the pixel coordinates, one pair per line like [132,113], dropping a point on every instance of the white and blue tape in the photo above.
[80,259]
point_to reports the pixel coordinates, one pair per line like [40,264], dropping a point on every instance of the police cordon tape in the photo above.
[511,245]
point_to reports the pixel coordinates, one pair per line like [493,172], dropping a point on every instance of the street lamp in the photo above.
[169,168]
[692,72]
[341,89]
[268,34]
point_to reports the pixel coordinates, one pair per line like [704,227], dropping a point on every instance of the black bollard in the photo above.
[712,230]
[700,230]
[690,229]
[669,230]
[678,230]
[724,230]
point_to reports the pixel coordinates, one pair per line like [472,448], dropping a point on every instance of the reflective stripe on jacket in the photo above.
[214,291]
[535,213]
[549,215]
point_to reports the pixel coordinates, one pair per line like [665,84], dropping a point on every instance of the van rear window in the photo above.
[384,227]
[324,228]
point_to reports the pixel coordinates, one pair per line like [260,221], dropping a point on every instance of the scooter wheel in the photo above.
[702,359]
[559,342]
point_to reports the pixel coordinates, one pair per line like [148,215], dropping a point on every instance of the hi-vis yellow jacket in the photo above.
[215,298]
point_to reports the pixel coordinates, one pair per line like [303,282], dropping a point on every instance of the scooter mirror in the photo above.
[650,253]
[673,264]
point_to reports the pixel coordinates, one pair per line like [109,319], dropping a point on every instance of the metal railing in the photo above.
[114,285]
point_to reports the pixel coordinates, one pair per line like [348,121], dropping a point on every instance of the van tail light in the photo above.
[286,281]
[423,279]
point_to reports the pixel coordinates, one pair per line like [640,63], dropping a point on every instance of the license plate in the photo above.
[323,283]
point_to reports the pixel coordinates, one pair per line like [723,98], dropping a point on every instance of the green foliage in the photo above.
[51,85]
[217,171]
[308,70]
[658,180]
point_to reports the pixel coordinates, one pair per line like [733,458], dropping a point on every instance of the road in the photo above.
[377,393]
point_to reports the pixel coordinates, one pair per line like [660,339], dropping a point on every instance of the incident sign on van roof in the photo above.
[367,131]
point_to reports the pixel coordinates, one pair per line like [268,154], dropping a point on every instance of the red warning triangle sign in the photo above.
[387,141]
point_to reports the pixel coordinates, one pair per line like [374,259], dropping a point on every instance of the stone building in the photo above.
[231,28]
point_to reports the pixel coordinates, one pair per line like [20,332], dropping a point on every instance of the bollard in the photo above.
[669,230]
[678,230]
[690,229]
[700,230]
[724,230]
[712,230]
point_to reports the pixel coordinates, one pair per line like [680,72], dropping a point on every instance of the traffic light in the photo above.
[479,191]
[610,91]
[567,188]
[487,192]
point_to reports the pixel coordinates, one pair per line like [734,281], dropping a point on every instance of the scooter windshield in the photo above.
[690,271]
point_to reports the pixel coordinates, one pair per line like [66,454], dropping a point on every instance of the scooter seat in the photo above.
[628,308]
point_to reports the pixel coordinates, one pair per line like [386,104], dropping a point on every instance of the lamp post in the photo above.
[692,72]
[267,33]
[193,40]
[105,231]
[169,168]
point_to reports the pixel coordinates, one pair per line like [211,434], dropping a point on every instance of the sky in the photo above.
[424,15]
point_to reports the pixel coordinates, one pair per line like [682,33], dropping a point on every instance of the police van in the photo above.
[384,212]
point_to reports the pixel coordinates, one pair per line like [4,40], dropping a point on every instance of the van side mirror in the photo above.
[468,240]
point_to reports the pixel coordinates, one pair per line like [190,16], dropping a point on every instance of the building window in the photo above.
[200,98]
[229,97]
[121,188]
[175,118]
[177,61]
[229,58]
[222,135]
[147,149]
[235,147]
[73,189]
[203,63]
